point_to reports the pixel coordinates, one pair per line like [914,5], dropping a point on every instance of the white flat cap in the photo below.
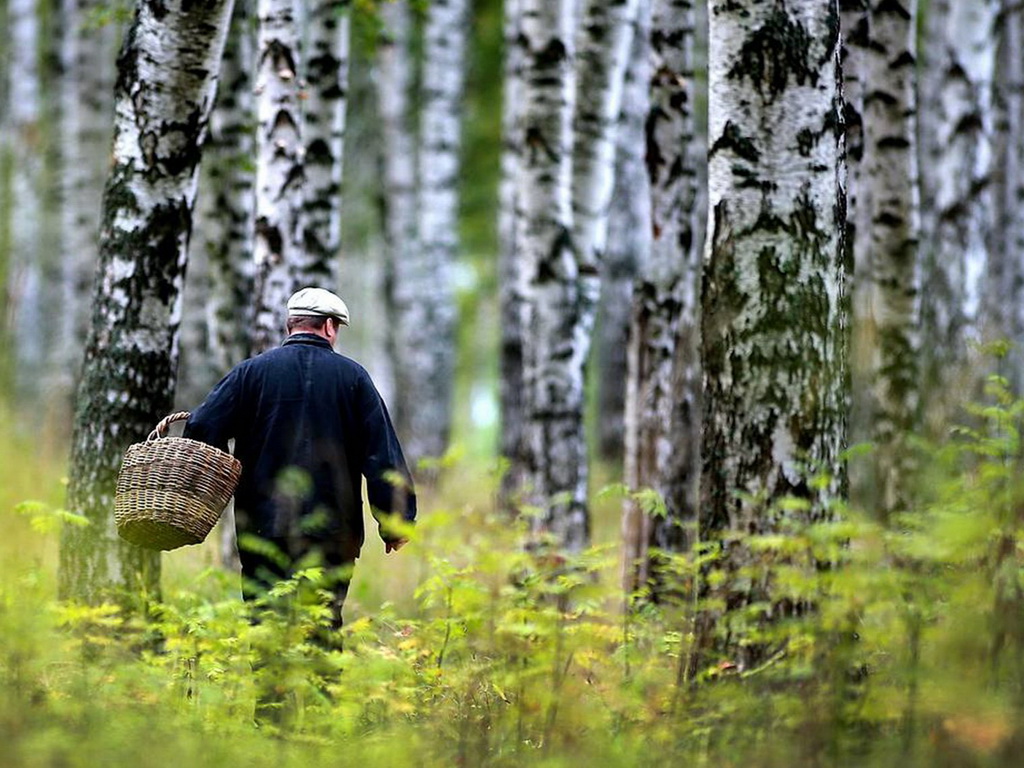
[316,302]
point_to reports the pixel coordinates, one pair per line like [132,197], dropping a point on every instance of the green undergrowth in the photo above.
[896,644]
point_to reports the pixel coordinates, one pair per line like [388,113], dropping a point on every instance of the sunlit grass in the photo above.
[469,648]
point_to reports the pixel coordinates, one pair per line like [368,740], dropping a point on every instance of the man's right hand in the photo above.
[395,545]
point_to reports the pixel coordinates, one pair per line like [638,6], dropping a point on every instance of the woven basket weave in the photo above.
[171,490]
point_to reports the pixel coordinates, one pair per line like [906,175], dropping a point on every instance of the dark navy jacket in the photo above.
[308,425]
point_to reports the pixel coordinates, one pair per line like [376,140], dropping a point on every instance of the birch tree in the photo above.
[280,174]
[167,78]
[6,208]
[1004,290]
[86,93]
[24,284]
[398,167]
[663,403]
[892,276]
[773,310]
[605,40]
[228,229]
[957,136]
[555,336]
[628,242]
[324,115]
[422,283]
[511,291]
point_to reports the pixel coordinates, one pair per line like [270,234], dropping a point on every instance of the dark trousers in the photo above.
[262,568]
[279,559]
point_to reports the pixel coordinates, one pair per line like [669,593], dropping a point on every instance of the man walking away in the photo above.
[308,425]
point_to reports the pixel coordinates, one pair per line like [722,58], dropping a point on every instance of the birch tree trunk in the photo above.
[229,242]
[398,169]
[555,335]
[957,135]
[165,90]
[511,289]
[628,241]
[280,175]
[24,284]
[892,277]
[324,134]
[226,234]
[663,406]
[774,325]
[86,92]
[422,283]
[855,26]
[604,41]
[1005,288]
[6,209]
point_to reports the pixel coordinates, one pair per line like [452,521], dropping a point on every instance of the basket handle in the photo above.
[166,422]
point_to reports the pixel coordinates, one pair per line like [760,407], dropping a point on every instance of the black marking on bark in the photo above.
[732,138]
[894,142]
[778,50]
[551,55]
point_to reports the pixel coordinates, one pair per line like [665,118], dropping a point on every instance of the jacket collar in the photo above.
[307,338]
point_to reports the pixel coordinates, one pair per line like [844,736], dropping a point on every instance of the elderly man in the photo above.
[308,425]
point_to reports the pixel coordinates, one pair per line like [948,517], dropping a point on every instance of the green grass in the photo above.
[468,648]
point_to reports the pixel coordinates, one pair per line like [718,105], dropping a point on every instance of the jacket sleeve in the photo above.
[215,421]
[389,484]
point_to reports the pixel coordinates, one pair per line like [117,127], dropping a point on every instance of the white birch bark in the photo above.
[604,42]
[168,68]
[555,338]
[1005,287]
[424,294]
[398,161]
[774,326]
[511,290]
[229,226]
[892,276]
[25,277]
[86,92]
[957,134]
[6,209]
[225,247]
[855,26]
[664,390]
[324,113]
[628,241]
[280,175]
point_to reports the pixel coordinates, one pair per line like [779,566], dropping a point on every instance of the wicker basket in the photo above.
[171,490]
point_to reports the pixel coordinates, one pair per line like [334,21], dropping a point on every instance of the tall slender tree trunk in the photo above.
[892,276]
[229,228]
[86,92]
[225,243]
[1005,287]
[774,324]
[6,208]
[604,42]
[855,26]
[511,291]
[423,289]
[555,334]
[957,135]
[628,242]
[664,392]
[324,114]
[280,174]
[398,172]
[25,277]
[165,90]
